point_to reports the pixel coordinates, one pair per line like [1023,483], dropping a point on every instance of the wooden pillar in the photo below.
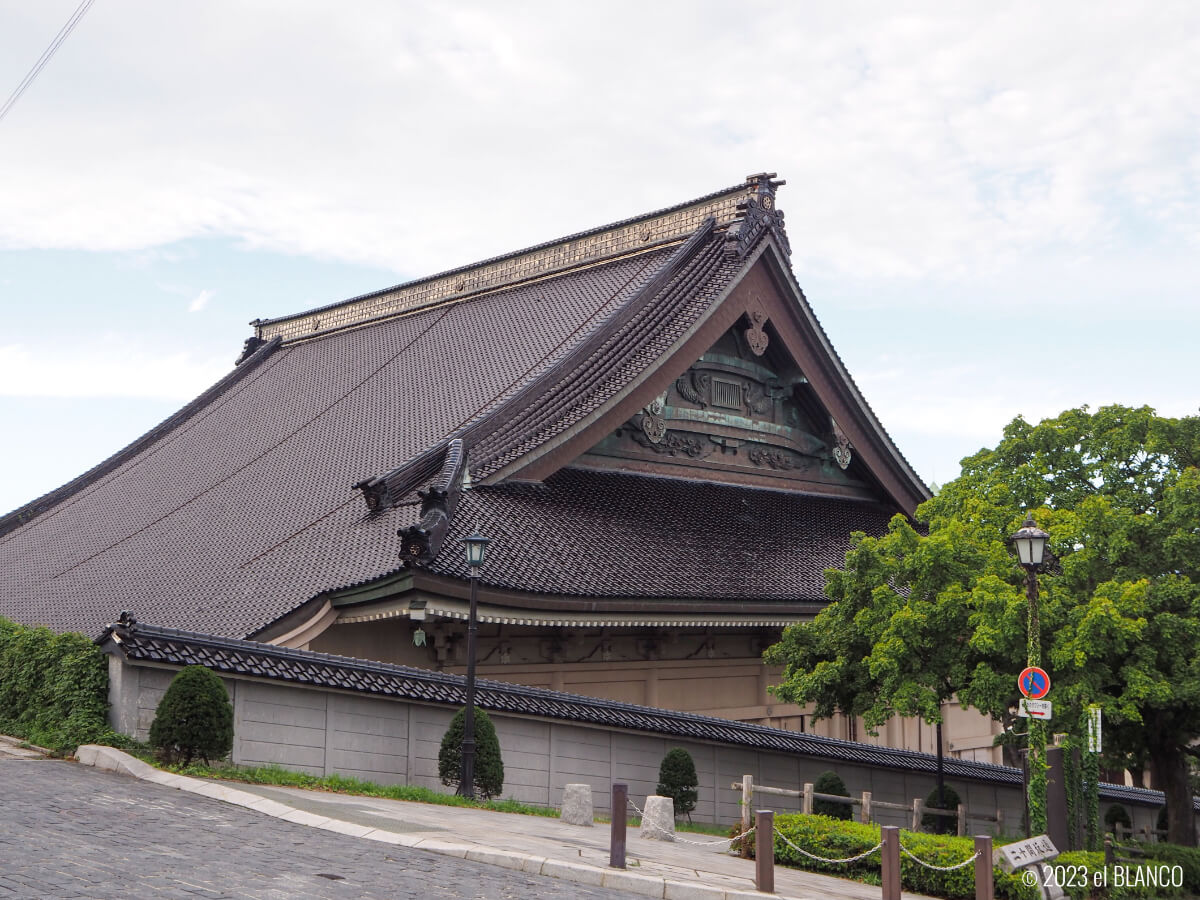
[890,876]
[985,888]
[764,851]
[616,849]
[747,800]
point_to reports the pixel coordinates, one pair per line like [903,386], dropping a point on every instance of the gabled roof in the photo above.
[241,508]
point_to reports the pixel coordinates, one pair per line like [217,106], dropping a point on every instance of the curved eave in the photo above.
[868,436]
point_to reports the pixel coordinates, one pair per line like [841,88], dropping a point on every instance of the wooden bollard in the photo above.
[985,888]
[890,852]
[764,851]
[616,850]
[747,800]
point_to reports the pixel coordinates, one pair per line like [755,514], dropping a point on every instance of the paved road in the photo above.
[71,831]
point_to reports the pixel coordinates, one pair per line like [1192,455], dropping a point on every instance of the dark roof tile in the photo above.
[151,644]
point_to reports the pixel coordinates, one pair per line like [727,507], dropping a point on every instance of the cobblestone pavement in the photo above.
[70,831]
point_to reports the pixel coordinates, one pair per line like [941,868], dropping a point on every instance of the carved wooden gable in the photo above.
[743,413]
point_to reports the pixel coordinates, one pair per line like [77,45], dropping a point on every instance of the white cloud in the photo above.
[200,301]
[106,368]
[423,136]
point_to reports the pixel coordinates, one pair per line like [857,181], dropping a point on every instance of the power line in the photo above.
[45,57]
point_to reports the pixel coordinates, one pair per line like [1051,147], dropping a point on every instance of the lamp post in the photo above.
[476,545]
[1030,542]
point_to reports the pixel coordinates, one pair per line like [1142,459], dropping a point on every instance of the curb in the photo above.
[18,742]
[110,759]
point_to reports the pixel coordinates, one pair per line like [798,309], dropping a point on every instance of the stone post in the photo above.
[577,805]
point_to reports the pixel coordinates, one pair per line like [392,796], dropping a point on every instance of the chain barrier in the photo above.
[674,836]
[965,862]
[824,859]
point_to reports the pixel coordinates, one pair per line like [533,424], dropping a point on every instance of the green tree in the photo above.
[489,766]
[919,616]
[677,779]
[194,718]
[830,782]
[944,797]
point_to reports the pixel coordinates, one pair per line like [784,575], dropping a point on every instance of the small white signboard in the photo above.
[1032,854]
[1018,855]
[1093,729]
[1035,709]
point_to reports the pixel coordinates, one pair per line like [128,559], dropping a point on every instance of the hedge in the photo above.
[836,839]
[53,689]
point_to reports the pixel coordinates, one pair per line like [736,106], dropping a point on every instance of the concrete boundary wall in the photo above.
[322,731]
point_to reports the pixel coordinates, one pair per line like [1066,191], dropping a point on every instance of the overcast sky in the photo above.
[993,209]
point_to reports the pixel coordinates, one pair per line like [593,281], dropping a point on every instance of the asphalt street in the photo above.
[72,831]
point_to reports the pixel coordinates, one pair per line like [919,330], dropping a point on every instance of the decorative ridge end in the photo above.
[757,213]
[422,542]
[248,348]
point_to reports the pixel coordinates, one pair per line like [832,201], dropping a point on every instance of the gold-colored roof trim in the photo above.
[622,239]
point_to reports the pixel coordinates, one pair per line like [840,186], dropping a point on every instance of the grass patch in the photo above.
[341,784]
[277,776]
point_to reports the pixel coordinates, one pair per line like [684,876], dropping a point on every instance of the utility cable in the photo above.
[49,52]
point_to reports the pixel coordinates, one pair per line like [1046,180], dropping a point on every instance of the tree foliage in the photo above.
[53,688]
[921,614]
[489,766]
[194,718]
[677,779]
[944,798]
[830,782]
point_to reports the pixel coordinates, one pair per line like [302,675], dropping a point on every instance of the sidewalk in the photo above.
[533,844]
[15,748]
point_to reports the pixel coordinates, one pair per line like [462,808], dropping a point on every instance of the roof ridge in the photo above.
[34,508]
[387,489]
[635,235]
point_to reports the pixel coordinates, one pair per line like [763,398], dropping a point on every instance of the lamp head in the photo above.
[1031,543]
[476,545]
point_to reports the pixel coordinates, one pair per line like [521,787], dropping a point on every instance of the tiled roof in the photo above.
[239,510]
[592,533]
[151,644]
[243,509]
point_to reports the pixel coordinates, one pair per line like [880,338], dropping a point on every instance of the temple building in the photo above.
[646,420]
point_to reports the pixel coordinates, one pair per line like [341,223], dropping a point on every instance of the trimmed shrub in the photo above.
[194,718]
[1187,858]
[941,824]
[831,783]
[489,767]
[1117,814]
[677,780]
[840,840]
[53,689]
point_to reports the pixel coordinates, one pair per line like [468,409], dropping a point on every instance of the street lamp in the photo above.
[1031,543]
[476,545]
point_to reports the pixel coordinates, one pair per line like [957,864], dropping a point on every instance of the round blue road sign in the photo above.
[1033,682]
